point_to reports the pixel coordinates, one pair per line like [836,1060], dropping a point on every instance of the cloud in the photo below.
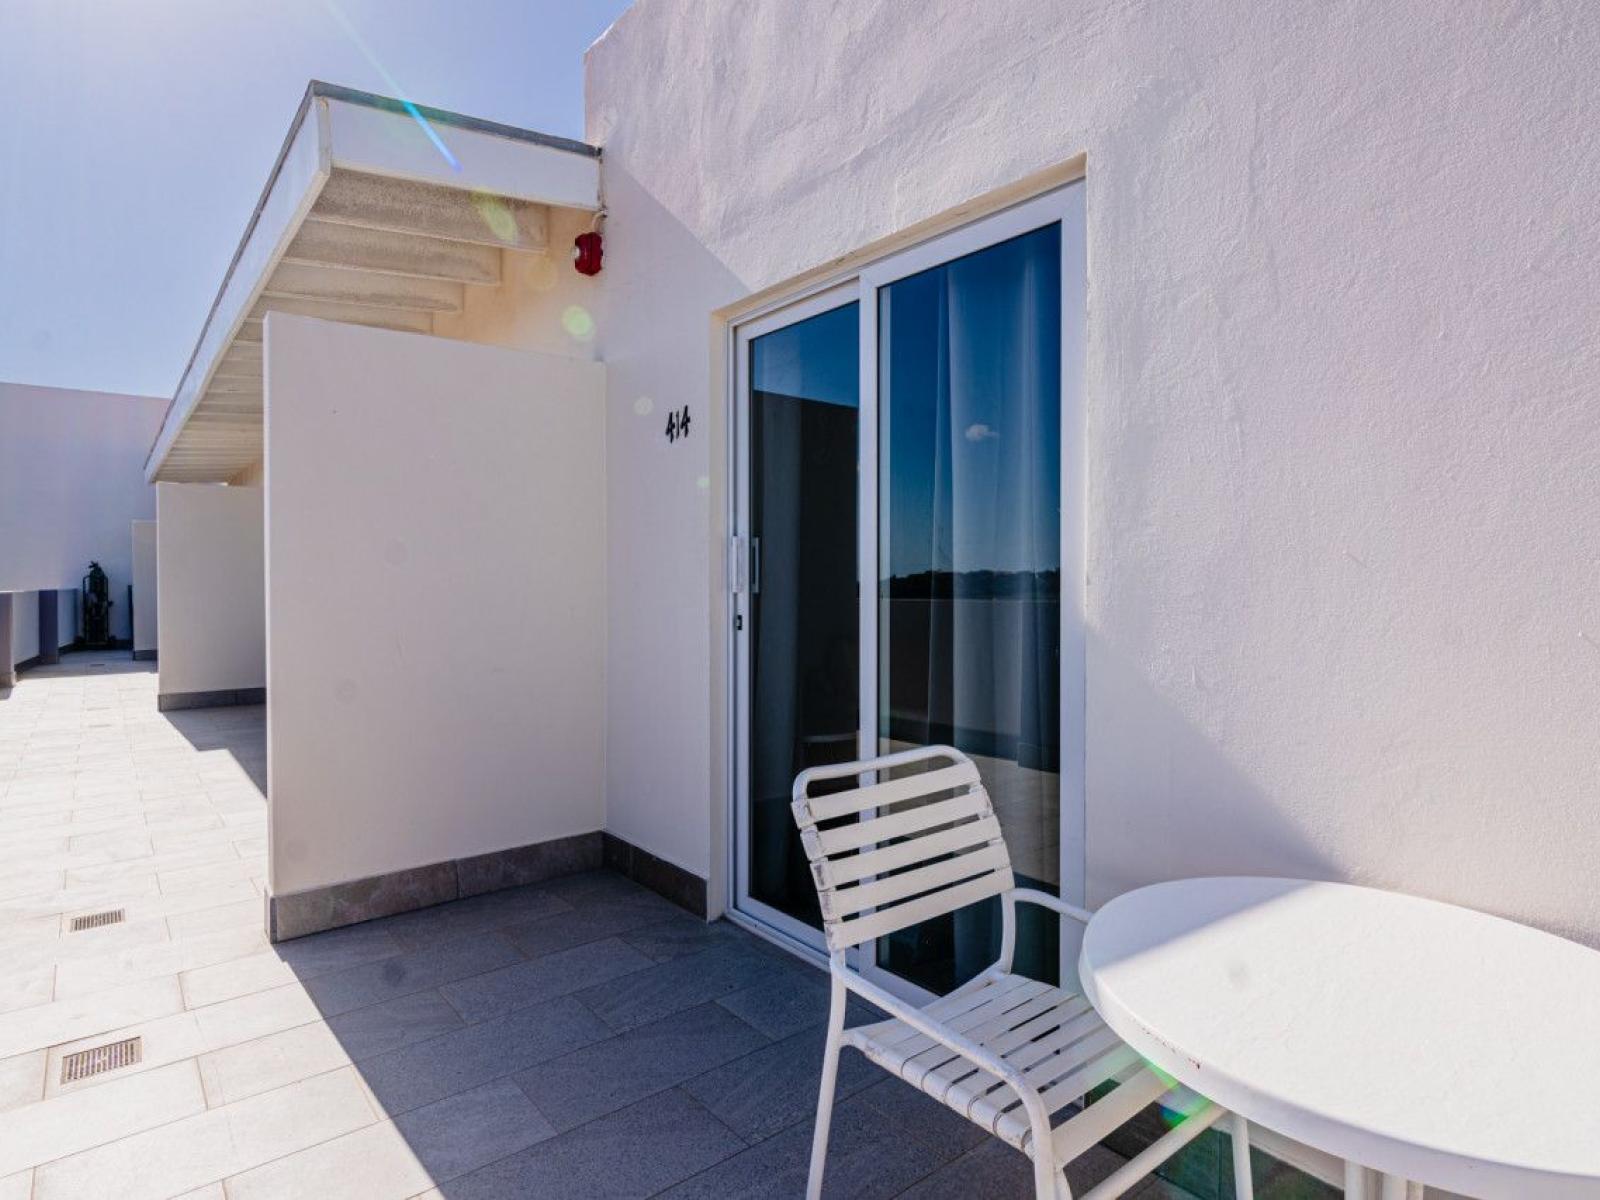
[980,432]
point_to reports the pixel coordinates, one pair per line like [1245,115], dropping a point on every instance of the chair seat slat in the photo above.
[1091,1075]
[958,1012]
[1040,1070]
[812,809]
[1034,1011]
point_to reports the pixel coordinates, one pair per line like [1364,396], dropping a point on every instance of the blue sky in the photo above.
[137,137]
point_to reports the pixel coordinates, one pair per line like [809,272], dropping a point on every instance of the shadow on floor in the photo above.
[584,1037]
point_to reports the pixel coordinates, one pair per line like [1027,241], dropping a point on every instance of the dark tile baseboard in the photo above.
[146,656]
[683,888]
[226,698]
[28,664]
[299,913]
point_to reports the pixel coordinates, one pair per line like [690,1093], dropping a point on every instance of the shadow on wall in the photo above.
[1148,767]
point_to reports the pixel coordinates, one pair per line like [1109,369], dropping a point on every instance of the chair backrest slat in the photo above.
[941,849]
[907,822]
[846,902]
[852,868]
[892,791]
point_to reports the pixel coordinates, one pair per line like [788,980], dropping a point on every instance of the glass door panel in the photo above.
[803,601]
[969,563]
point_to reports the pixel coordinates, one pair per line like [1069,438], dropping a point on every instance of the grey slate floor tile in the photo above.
[534,981]
[627,1155]
[765,1092]
[455,1062]
[459,1134]
[602,917]
[375,982]
[677,984]
[919,1113]
[790,997]
[868,1158]
[682,934]
[609,1075]
[379,1028]
[491,911]
[337,949]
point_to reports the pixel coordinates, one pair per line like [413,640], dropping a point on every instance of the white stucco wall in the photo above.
[210,588]
[71,478]
[144,586]
[436,519]
[1344,455]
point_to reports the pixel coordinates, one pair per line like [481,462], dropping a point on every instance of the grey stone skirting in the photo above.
[29,664]
[227,697]
[300,913]
[683,888]
[148,656]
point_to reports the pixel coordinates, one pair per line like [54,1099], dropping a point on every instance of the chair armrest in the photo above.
[1046,900]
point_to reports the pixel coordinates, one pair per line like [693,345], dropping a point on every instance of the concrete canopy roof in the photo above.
[377,212]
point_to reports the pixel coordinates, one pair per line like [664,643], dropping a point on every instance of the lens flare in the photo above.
[577,322]
[496,216]
[703,483]
[1178,1105]
[644,406]
[392,84]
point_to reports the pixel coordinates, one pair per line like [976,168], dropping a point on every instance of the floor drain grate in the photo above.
[101,1059]
[112,916]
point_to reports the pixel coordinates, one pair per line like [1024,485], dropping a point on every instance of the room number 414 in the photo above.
[678,424]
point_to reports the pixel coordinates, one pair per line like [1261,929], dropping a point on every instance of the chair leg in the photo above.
[1243,1181]
[1049,1180]
[830,1075]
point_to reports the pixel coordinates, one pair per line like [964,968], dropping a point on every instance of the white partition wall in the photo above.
[210,600]
[144,589]
[70,481]
[435,613]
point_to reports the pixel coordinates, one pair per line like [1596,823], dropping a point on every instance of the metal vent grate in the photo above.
[112,916]
[101,1059]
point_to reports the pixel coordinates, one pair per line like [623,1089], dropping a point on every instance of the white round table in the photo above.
[1433,1043]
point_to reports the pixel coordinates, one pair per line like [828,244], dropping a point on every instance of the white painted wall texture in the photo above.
[1344,454]
[210,588]
[71,478]
[435,525]
[144,586]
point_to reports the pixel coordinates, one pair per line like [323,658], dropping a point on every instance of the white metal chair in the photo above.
[1008,1052]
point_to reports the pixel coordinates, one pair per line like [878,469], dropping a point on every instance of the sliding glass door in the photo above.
[969,562]
[917,429]
[798,621]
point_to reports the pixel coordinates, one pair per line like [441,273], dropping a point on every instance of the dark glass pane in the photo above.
[969,594]
[804,630]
